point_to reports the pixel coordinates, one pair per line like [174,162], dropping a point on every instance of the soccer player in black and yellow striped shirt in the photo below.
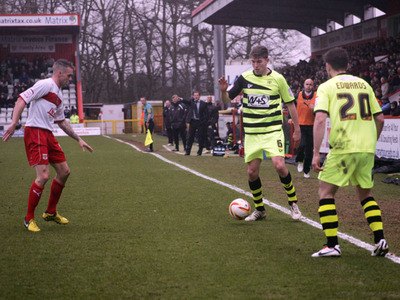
[264,90]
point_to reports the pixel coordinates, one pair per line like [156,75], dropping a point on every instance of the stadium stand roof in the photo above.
[301,15]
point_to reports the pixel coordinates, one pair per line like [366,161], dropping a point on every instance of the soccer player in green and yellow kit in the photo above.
[356,123]
[264,90]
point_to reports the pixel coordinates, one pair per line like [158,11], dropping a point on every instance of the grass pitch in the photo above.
[141,228]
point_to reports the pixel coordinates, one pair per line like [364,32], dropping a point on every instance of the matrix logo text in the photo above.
[45,20]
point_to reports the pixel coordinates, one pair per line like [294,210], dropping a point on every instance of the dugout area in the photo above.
[44,37]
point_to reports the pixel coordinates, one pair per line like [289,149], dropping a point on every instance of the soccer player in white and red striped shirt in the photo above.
[41,146]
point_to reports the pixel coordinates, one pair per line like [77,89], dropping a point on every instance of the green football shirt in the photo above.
[351,105]
[262,100]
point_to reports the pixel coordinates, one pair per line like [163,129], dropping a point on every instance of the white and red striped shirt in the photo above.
[46,104]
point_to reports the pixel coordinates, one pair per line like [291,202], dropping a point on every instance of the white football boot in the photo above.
[381,249]
[295,211]
[328,252]
[256,215]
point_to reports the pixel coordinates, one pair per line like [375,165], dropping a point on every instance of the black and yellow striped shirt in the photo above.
[262,100]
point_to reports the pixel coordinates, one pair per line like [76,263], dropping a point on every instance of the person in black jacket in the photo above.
[177,117]
[196,121]
[212,124]
[167,123]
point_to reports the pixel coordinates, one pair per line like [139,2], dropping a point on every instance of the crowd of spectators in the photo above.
[377,62]
[18,74]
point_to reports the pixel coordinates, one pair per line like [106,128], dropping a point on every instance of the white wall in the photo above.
[112,112]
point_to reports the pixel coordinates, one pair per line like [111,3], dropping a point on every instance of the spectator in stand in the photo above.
[16,72]
[366,76]
[17,88]
[3,100]
[376,84]
[24,86]
[167,122]
[35,73]
[67,112]
[305,111]
[13,99]
[378,93]
[24,78]
[212,124]
[9,76]
[177,116]
[10,100]
[395,83]
[385,103]
[395,109]
[384,88]
[3,87]
[74,119]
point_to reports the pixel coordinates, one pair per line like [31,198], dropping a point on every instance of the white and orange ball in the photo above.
[239,209]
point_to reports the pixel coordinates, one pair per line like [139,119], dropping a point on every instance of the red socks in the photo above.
[55,194]
[35,193]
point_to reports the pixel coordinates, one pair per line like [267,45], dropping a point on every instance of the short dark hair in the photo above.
[196,91]
[338,58]
[259,52]
[62,63]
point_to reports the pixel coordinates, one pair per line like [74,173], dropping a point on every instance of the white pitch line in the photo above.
[177,152]
[357,242]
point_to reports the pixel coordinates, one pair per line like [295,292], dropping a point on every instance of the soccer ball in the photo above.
[239,209]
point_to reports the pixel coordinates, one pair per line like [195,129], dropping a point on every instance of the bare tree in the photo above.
[282,44]
[132,48]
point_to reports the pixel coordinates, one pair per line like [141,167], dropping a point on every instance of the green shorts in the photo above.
[256,144]
[354,168]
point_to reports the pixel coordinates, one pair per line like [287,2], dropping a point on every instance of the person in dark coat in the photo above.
[212,124]
[177,119]
[167,122]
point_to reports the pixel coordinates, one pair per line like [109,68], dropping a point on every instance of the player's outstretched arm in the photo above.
[19,107]
[66,127]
